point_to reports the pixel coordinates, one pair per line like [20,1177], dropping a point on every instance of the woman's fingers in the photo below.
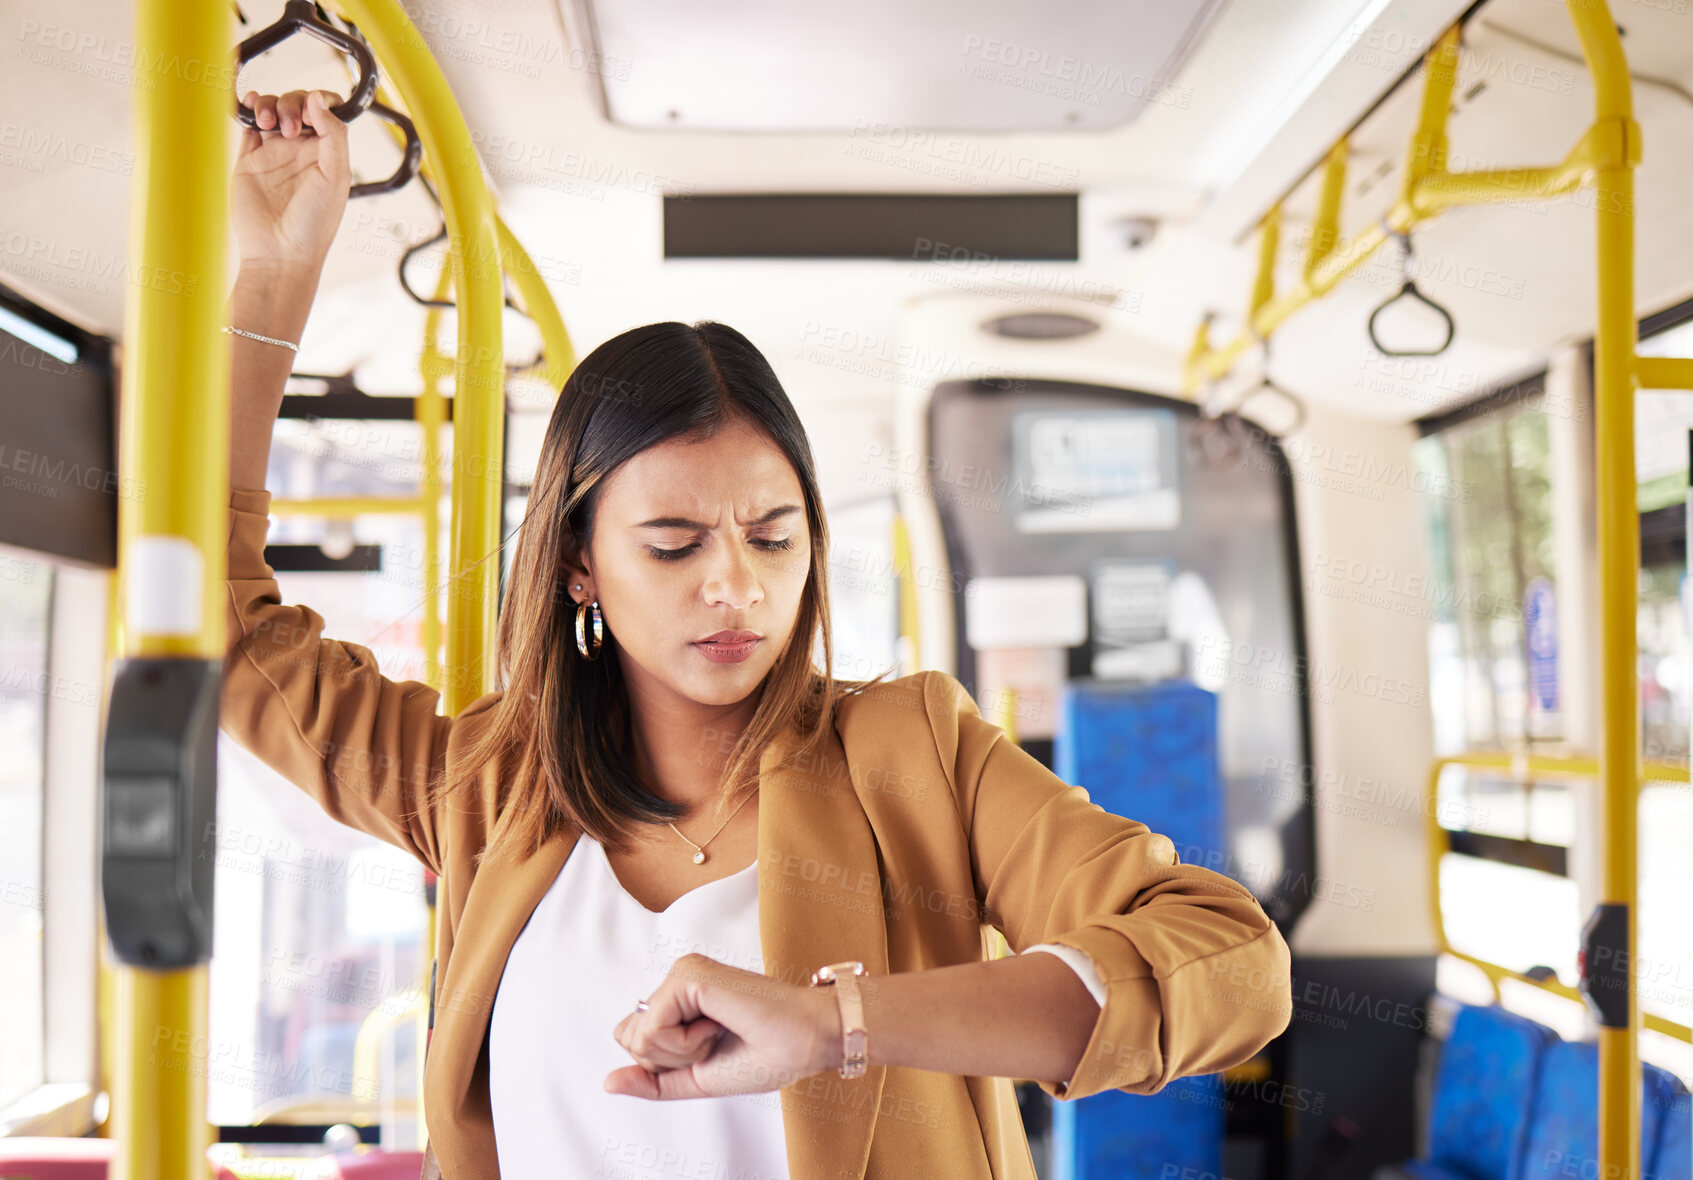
[333,152]
[290,109]
[264,110]
[250,139]
[294,112]
[669,1047]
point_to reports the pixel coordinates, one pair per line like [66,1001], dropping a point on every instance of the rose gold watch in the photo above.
[855,1054]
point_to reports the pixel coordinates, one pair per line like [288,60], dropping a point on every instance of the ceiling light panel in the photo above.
[886,66]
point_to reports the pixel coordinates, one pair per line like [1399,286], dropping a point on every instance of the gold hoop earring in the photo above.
[583,610]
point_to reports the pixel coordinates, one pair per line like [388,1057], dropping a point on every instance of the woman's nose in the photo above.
[732,581]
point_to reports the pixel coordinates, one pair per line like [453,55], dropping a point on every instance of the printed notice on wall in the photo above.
[1131,621]
[1096,471]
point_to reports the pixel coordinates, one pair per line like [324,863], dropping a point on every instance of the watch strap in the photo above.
[855,1038]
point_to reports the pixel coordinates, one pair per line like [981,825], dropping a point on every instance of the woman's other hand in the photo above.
[712,1030]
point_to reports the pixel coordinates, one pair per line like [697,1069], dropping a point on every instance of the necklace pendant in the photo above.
[699,857]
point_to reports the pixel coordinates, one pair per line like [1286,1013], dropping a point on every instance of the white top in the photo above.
[550,1042]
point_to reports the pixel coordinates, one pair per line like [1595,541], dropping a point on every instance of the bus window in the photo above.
[1663,420]
[1663,427]
[1505,890]
[26,589]
[1665,967]
[1489,546]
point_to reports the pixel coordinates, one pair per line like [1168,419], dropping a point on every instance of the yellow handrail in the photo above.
[1618,527]
[175,400]
[1522,768]
[479,374]
[367,1068]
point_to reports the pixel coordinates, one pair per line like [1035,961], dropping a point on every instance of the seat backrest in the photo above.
[1563,1134]
[1673,1158]
[1148,752]
[1484,1092]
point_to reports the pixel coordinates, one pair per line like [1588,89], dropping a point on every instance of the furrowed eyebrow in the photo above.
[677,522]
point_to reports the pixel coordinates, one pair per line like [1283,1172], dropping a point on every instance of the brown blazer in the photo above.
[918,824]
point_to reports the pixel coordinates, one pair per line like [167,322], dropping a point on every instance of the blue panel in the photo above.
[1674,1159]
[1147,752]
[1563,1136]
[1142,1136]
[1482,1097]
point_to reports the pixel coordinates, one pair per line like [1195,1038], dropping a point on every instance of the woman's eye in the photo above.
[672,554]
[766,544]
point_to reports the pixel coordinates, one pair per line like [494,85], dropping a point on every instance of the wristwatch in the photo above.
[855,1054]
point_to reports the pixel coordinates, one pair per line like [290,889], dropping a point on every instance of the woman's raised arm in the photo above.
[315,710]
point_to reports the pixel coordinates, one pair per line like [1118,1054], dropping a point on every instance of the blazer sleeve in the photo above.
[318,712]
[1197,978]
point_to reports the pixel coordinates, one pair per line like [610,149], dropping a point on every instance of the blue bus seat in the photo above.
[1483,1096]
[1147,752]
[1563,1135]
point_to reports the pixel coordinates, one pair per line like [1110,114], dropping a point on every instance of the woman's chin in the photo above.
[725,684]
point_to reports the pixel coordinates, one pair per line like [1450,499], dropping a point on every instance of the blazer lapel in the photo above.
[505,894]
[820,901]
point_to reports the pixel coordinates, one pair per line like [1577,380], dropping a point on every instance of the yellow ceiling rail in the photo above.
[1269,241]
[1663,372]
[1611,142]
[1522,769]
[1325,231]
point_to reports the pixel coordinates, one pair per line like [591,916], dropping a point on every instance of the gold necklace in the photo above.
[699,849]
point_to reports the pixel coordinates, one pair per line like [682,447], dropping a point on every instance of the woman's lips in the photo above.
[726,651]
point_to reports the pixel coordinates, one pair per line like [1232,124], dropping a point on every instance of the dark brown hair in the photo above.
[562,729]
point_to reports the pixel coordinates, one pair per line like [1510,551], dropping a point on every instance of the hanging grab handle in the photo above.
[410,253]
[1409,291]
[299,16]
[408,163]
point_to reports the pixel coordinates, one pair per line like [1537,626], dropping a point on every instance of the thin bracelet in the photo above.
[266,339]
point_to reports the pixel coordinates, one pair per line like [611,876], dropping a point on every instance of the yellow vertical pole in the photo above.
[479,378]
[1614,342]
[910,652]
[175,404]
[431,414]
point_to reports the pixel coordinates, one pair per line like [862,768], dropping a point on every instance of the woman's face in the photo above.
[699,559]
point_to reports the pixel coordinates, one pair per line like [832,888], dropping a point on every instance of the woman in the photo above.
[747,819]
